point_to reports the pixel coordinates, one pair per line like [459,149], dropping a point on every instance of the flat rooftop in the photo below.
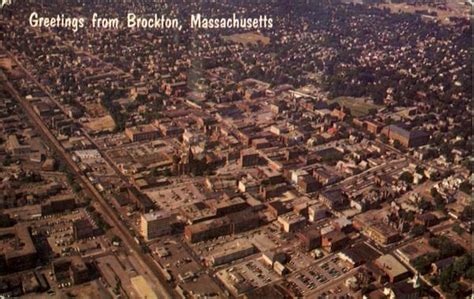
[390,265]
[155,215]
[16,241]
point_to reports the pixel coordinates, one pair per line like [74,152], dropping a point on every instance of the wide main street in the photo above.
[147,263]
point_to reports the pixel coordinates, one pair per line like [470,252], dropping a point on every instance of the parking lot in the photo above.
[318,274]
[334,290]
[299,260]
[174,197]
[256,272]
[259,272]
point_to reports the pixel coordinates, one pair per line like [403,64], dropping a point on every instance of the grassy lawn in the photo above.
[358,106]
[101,124]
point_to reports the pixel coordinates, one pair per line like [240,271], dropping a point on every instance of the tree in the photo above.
[450,276]
[455,288]
[141,98]
[210,96]
[397,144]
[446,246]
[76,188]
[6,221]
[167,172]
[458,229]
[462,264]
[155,172]
[466,187]
[90,209]
[434,192]
[70,178]
[418,230]
[424,205]
[446,278]
[407,177]
[467,213]
[419,169]
[439,200]
[87,201]
[118,285]
[408,216]
[7,160]
[372,111]
[422,263]
[470,273]
[145,249]
[62,167]
[434,280]
[332,157]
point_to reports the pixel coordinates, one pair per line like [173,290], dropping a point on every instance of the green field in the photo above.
[246,38]
[358,106]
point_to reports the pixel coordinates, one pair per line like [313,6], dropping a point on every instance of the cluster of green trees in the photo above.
[8,160]
[467,212]
[439,200]
[449,279]
[32,177]
[156,172]
[424,205]
[407,177]
[101,223]
[445,248]
[332,157]
[76,187]
[466,187]
[118,285]
[407,215]
[418,230]
[108,100]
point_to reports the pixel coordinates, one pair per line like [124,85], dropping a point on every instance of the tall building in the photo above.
[83,229]
[155,224]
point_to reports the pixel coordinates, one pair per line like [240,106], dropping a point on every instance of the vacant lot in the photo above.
[248,38]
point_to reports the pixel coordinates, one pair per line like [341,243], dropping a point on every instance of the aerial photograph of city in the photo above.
[236,149]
